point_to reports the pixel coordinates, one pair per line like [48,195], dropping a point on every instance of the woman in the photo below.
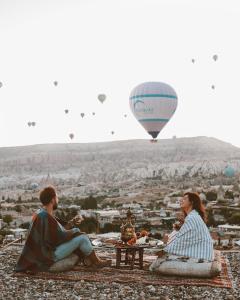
[193,239]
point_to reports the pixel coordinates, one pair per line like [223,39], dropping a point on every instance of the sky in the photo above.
[110,46]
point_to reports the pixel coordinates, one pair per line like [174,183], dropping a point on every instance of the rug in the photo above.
[136,276]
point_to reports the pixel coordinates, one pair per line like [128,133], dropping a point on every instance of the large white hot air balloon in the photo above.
[153,104]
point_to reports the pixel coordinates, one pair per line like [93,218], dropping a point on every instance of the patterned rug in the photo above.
[136,276]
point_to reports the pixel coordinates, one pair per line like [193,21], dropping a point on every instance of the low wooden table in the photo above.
[127,254]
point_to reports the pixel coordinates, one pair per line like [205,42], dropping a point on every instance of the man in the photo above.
[48,241]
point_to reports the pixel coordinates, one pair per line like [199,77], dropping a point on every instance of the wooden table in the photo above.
[127,254]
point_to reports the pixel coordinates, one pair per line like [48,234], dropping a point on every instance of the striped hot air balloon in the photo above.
[153,104]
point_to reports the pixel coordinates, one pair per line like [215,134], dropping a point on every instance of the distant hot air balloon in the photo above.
[193,60]
[229,171]
[66,111]
[215,57]
[112,132]
[125,116]
[55,83]
[71,135]
[93,113]
[1,84]
[29,124]
[101,97]
[33,123]
[153,104]
[34,186]
[213,87]
[82,115]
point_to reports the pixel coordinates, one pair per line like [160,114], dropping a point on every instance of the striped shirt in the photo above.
[193,239]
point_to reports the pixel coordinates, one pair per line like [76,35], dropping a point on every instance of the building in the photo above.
[229,228]
[106,216]
[19,232]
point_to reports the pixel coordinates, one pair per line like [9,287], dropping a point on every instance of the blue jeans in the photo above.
[82,242]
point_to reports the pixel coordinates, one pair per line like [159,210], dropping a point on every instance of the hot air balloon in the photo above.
[1,84]
[153,104]
[82,115]
[93,113]
[66,111]
[102,97]
[71,135]
[33,123]
[55,83]
[213,87]
[229,171]
[29,124]
[112,132]
[34,186]
[215,57]
[193,60]
[125,116]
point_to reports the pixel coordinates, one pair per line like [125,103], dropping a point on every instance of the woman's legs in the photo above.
[81,242]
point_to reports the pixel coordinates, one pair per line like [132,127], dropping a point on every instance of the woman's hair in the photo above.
[197,204]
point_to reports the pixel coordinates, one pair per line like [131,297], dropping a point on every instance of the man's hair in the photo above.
[47,194]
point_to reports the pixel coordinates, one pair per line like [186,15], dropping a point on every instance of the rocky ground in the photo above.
[27,288]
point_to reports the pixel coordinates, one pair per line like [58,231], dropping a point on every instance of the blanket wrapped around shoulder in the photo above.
[178,266]
[45,234]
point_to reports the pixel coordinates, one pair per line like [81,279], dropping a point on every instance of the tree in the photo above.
[235,219]
[210,218]
[7,219]
[90,203]
[89,225]
[18,208]
[211,196]
[229,195]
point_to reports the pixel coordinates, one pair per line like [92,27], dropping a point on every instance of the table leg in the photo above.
[126,257]
[133,258]
[141,258]
[118,258]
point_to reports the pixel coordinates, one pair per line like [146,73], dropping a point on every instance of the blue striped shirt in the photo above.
[193,239]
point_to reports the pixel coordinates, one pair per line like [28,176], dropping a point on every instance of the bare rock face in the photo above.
[116,162]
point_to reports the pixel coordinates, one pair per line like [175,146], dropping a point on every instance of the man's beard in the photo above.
[55,206]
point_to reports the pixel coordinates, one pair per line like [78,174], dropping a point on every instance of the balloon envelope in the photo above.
[82,115]
[102,97]
[229,171]
[33,123]
[71,135]
[66,111]
[215,57]
[55,83]
[29,124]
[153,104]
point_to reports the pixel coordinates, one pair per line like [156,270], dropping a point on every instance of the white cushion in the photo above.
[65,264]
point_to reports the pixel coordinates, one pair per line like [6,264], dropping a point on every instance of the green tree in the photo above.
[229,195]
[235,219]
[211,196]
[89,225]
[210,218]
[90,203]
[18,208]
[7,219]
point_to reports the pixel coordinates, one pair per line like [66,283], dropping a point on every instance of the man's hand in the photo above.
[76,221]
